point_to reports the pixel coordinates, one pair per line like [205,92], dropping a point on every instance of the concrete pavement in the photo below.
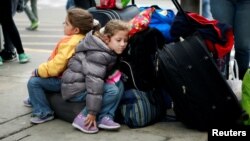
[14,117]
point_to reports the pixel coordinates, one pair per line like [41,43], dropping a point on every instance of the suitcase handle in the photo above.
[180,9]
[178,6]
[133,2]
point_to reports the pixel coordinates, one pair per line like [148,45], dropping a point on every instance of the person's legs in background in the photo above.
[1,44]
[32,14]
[9,52]
[206,10]
[234,13]
[224,14]
[1,38]
[223,10]
[242,36]
[9,27]
[33,4]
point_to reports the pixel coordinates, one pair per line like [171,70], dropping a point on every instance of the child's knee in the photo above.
[113,94]
[114,90]
[32,82]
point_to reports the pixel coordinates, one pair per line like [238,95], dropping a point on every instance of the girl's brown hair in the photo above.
[81,19]
[113,26]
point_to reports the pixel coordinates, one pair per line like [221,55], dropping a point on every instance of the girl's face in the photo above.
[69,29]
[118,41]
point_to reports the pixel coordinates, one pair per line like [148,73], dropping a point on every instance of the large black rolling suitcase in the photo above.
[105,15]
[202,98]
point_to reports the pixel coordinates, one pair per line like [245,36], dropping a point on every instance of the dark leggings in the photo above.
[9,26]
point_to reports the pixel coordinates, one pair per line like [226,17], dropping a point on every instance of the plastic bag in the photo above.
[111,4]
[234,82]
[120,4]
[141,21]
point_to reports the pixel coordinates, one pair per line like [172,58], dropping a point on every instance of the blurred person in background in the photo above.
[236,13]
[31,12]
[10,32]
[206,9]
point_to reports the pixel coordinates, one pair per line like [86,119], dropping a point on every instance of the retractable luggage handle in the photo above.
[178,6]
[180,9]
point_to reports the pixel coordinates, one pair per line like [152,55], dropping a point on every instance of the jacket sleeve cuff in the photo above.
[36,72]
[92,113]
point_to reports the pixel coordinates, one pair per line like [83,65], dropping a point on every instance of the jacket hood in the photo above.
[93,43]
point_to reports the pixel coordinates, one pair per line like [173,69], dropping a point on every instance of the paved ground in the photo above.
[14,117]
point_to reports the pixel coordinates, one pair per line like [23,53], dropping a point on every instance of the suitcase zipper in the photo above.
[183,87]
[131,72]
[116,15]
[108,13]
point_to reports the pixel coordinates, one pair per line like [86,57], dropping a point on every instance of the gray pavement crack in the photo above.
[23,137]
[14,118]
[17,131]
[13,133]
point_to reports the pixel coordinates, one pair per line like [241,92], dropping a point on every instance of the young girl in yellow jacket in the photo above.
[47,76]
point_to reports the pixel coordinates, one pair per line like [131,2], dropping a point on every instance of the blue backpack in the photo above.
[162,20]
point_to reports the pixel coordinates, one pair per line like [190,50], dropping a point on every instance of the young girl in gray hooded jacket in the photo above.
[87,79]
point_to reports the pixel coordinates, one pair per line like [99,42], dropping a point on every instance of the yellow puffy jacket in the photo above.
[60,56]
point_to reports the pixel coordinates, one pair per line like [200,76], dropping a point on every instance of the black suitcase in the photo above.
[64,110]
[201,96]
[105,15]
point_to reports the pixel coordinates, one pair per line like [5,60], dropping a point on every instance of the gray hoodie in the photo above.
[87,70]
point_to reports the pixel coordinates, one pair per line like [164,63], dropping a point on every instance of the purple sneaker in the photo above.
[27,102]
[79,124]
[108,123]
[38,120]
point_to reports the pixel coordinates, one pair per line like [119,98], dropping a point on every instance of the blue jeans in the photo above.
[236,13]
[206,10]
[36,88]
[111,98]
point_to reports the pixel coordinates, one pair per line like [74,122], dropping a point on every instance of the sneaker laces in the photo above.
[109,119]
[80,116]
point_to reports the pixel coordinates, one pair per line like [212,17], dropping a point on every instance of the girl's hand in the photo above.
[33,73]
[90,121]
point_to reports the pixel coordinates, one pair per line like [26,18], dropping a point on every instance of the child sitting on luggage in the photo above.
[47,77]
[87,77]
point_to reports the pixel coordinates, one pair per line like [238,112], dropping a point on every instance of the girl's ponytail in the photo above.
[96,25]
